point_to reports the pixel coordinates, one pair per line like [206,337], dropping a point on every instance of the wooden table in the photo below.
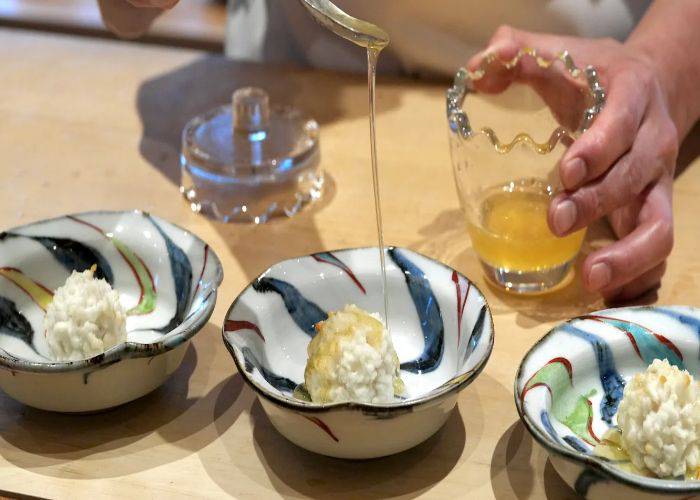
[95,125]
[197,24]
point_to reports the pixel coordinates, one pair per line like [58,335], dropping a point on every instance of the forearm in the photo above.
[669,34]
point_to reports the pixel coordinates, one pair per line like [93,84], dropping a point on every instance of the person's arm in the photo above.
[669,34]
[132,18]
[623,166]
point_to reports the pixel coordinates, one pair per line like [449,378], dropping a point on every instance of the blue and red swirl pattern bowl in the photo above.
[166,278]
[570,384]
[440,324]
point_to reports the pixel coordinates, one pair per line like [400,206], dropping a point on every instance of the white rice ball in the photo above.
[84,319]
[352,358]
[659,417]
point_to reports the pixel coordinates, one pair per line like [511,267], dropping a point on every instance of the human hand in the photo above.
[132,18]
[621,167]
[156,4]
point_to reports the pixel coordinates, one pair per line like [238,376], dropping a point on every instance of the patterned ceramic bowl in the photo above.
[167,280]
[570,384]
[441,327]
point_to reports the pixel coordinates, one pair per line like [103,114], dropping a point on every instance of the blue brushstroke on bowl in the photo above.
[304,312]
[475,335]
[682,318]
[13,322]
[182,275]
[575,443]
[571,440]
[282,384]
[547,424]
[650,347]
[429,314]
[613,384]
[73,255]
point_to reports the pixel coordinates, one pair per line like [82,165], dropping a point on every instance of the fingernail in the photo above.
[574,171]
[479,58]
[599,276]
[564,216]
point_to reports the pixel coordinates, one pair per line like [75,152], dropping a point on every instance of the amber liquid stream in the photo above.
[372,56]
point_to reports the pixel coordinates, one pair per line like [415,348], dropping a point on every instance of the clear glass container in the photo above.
[509,124]
[247,162]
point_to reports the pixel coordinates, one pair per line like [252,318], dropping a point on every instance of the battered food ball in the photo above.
[84,319]
[352,358]
[659,417]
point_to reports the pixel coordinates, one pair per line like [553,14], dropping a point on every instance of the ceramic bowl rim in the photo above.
[126,350]
[455,384]
[609,471]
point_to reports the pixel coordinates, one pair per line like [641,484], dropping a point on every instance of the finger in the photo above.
[626,260]
[625,219]
[503,47]
[642,284]
[640,251]
[125,19]
[498,66]
[620,186]
[157,4]
[496,77]
[506,41]
[611,135]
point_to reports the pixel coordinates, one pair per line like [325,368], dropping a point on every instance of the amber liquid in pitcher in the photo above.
[509,229]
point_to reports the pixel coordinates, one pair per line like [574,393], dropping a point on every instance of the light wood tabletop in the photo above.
[90,124]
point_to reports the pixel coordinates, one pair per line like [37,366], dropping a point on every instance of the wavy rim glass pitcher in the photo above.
[510,122]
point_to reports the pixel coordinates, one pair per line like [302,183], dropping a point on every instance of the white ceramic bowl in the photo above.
[588,360]
[441,327]
[167,280]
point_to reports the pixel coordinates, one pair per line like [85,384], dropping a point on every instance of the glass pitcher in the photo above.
[510,123]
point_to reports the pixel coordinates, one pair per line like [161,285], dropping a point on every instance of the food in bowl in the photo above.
[571,384]
[167,280]
[659,423]
[352,358]
[441,328]
[84,319]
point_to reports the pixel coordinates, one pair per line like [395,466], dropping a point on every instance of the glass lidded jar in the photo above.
[247,161]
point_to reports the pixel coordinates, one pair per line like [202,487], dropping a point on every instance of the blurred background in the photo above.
[199,24]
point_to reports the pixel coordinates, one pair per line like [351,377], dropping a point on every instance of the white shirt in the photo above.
[427,36]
